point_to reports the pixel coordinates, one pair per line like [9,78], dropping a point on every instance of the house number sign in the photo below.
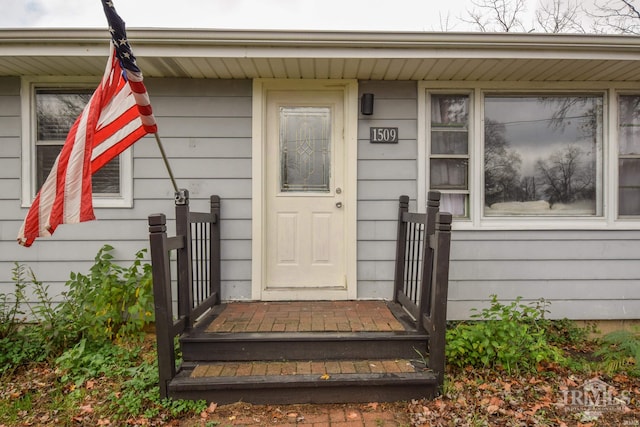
[383,135]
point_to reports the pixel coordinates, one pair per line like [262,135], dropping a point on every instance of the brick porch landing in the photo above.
[306,316]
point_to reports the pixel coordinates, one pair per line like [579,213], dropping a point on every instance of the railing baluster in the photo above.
[421,275]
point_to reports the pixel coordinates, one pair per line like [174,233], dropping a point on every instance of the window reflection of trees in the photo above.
[565,176]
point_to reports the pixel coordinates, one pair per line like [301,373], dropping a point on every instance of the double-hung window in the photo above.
[449,151]
[628,156]
[50,112]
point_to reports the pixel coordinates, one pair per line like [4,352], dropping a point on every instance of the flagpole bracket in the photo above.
[182,197]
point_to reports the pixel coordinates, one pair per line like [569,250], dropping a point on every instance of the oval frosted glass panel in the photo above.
[305,149]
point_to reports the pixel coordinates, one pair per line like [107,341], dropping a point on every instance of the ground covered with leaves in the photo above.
[91,361]
[554,396]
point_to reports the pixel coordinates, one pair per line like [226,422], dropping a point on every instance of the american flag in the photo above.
[117,115]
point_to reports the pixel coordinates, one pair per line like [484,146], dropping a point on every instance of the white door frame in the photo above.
[261,88]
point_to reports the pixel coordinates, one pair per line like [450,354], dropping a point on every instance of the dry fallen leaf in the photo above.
[325,377]
[86,409]
[492,409]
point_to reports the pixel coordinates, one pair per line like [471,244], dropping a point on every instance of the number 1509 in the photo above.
[384,135]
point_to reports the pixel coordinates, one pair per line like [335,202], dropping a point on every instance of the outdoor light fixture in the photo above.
[366,104]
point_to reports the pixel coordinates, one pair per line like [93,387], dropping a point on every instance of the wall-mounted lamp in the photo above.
[366,104]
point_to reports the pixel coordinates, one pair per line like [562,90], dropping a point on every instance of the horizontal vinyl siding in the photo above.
[206,133]
[583,274]
[205,129]
[385,171]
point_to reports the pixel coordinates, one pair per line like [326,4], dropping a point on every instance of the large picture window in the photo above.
[542,155]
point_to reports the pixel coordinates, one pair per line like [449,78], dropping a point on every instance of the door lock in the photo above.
[339,205]
[338,190]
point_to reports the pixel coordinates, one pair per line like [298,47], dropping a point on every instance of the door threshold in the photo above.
[329,293]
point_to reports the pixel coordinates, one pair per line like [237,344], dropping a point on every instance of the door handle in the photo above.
[339,205]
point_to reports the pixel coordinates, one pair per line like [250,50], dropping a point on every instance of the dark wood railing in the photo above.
[422,272]
[195,275]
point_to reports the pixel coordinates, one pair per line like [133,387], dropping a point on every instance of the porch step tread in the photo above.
[302,336]
[305,381]
[323,369]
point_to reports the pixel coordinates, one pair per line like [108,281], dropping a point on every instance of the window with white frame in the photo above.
[543,154]
[52,111]
[629,155]
[449,151]
[527,158]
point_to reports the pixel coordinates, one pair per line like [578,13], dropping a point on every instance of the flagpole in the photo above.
[166,162]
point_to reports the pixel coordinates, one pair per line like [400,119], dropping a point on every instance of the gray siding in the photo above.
[385,171]
[584,274]
[205,126]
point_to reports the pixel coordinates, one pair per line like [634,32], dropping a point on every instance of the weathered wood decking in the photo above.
[299,351]
[305,352]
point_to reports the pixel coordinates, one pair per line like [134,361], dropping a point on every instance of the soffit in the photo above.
[329,55]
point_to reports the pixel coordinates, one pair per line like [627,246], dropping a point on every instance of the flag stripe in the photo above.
[118,114]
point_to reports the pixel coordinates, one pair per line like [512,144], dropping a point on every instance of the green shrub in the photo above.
[32,341]
[620,352]
[140,395]
[566,332]
[88,360]
[111,302]
[511,337]
[10,304]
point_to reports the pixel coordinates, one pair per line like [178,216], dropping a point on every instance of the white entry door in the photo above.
[305,194]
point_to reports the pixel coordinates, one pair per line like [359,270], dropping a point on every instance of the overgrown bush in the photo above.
[509,336]
[110,303]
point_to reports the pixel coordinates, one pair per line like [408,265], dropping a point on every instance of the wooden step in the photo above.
[301,346]
[277,382]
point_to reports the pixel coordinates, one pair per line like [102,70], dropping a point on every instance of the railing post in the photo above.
[439,299]
[162,300]
[184,264]
[214,250]
[401,245]
[424,304]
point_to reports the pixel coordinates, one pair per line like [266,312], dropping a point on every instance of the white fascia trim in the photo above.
[353,44]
